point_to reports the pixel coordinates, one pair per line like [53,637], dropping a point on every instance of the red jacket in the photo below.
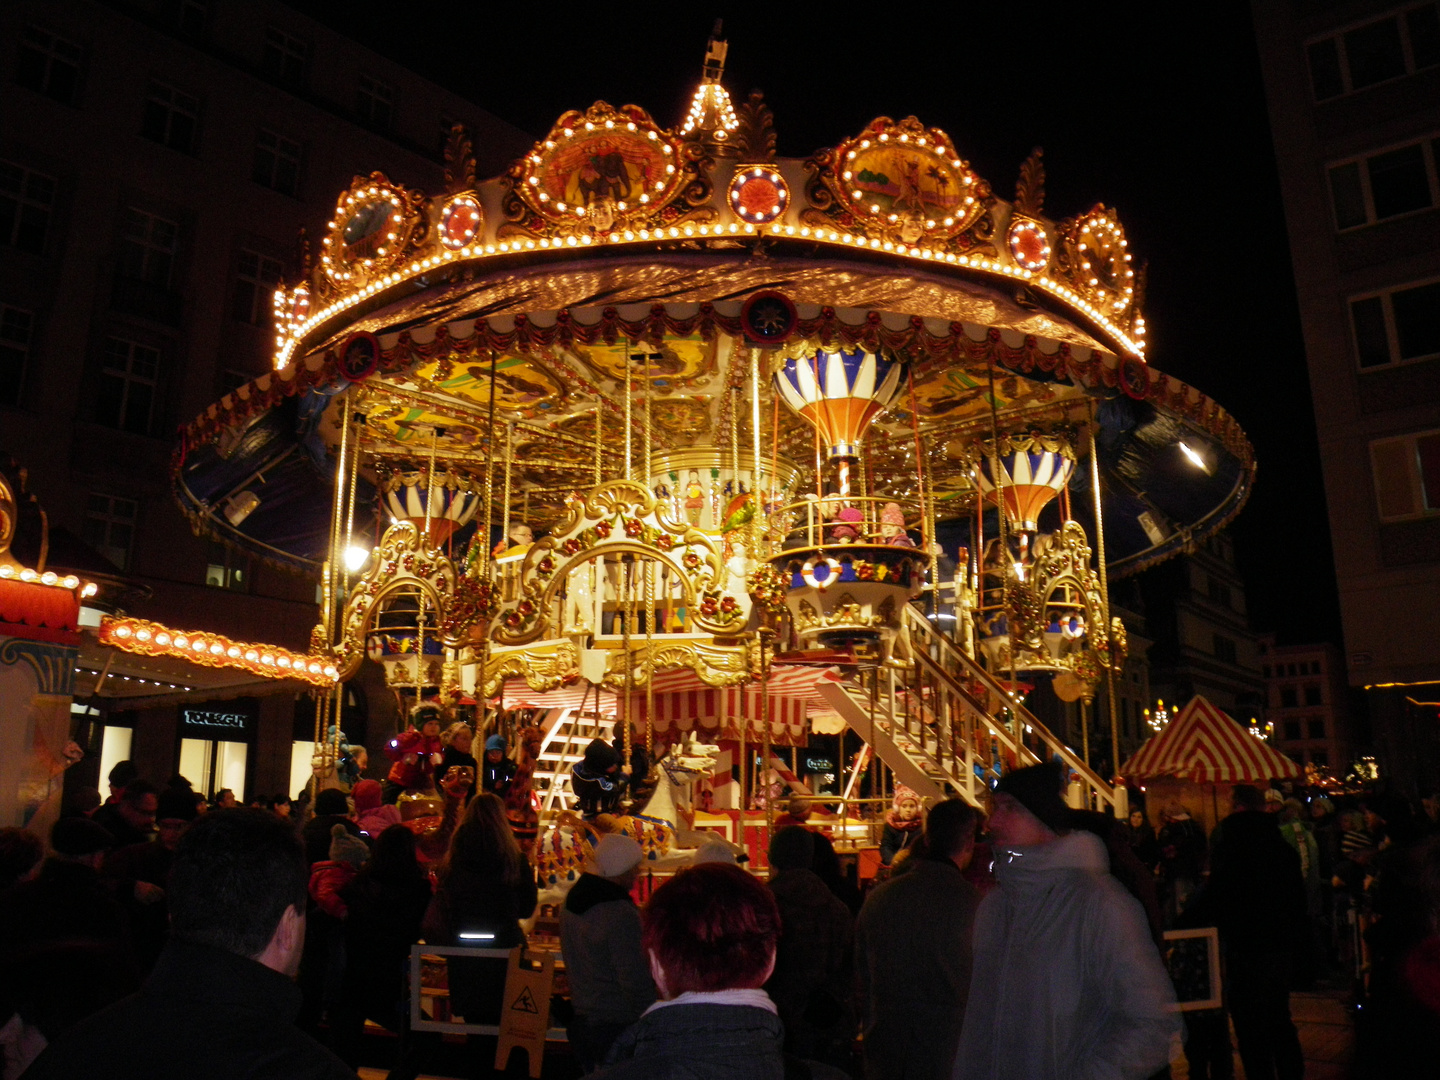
[410,750]
[326,880]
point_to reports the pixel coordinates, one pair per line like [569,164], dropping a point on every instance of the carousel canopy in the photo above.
[1204,744]
[623,283]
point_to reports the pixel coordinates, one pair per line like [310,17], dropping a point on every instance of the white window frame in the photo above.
[374,94]
[1415,479]
[175,102]
[1338,35]
[1392,332]
[112,515]
[111,367]
[290,48]
[24,197]
[55,49]
[17,343]
[262,297]
[279,148]
[150,246]
[1432,177]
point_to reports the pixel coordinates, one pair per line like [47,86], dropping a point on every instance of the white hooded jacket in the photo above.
[1067,981]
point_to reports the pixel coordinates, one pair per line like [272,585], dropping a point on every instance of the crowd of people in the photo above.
[1026,944]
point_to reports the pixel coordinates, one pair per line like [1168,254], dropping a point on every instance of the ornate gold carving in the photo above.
[715,665]
[1030,187]
[1094,258]
[403,560]
[616,519]
[377,224]
[544,667]
[756,135]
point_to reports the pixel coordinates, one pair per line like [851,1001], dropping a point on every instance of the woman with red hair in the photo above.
[710,932]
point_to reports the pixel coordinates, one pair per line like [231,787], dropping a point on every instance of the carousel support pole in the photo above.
[486,574]
[764,637]
[328,615]
[430,484]
[755,486]
[997,474]
[598,441]
[629,435]
[350,505]
[628,584]
[649,469]
[649,637]
[1104,592]
[509,462]
[1085,730]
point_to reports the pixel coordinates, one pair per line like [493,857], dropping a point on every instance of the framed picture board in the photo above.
[1193,959]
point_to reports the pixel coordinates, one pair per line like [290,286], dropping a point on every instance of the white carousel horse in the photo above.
[663,829]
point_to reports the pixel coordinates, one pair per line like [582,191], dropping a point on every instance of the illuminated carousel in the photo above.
[659,433]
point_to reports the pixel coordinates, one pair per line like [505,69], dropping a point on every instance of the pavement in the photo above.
[1327,1036]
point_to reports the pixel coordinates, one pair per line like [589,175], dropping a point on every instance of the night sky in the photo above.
[1159,113]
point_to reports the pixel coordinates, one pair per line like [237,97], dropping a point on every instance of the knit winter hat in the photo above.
[1037,788]
[891,514]
[347,848]
[792,848]
[614,856]
[367,795]
[495,742]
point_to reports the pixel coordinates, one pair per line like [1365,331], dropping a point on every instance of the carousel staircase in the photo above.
[567,733]
[935,720]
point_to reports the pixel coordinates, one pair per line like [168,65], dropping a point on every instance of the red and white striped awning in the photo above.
[1205,745]
[685,703]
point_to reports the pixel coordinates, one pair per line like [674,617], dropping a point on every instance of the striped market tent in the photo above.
[683,702]
[1205,745]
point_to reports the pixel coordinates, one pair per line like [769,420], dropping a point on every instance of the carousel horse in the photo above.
[521,803]
[663,829]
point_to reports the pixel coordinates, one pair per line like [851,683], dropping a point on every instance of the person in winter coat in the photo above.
[710,932]
[1256,896]
[1067,981]
[499,770]
[385,904]
[331,809]
[330,876]
[609,972]
[913,953]
[813,959]
[457,739]
[372,816]
[597,780]
[902,824]
[1143,840]
[486,888]
[416,754]
[1182,857]
[221,1000]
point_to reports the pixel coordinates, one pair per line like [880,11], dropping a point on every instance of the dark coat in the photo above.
[1255,893]
[913,955]
[704,1042]
[477,900]
[812,964]
[113,822]
[203,1012]
[383,921]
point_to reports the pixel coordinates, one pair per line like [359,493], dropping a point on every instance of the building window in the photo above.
[172,118]
[375,102]
[1315,727]
[49,65]
[1397,326]
[16,327]
[26,198]
[286,57]
[227,569]
[1383,185]
[1407,475]
[1218,592]
[1265,671]
[277,162]
[1375,52]
[1292,730]
[1287,697]
[256,279]
[1223,648]
[192,17]
[127,386]
[1312,695]
[110,527]
[147,248]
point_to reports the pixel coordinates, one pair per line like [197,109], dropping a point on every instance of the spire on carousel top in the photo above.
[711,116]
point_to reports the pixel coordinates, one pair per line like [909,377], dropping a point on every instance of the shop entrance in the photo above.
[215,741]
